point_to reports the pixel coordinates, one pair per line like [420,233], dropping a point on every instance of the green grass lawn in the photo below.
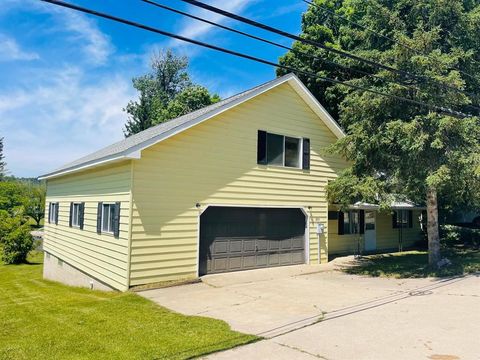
[414,264]
[46,320]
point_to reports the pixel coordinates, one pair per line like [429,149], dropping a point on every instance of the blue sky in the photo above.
[65,76]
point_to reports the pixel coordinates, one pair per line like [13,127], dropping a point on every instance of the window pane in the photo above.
[346,223]
[292,152]
[274,149]
[105,217]
[110,223]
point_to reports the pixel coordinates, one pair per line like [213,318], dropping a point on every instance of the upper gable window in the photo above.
[280,150]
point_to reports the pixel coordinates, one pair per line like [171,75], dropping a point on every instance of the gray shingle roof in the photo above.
[124,146]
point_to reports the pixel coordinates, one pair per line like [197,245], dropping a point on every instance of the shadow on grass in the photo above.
[414,264]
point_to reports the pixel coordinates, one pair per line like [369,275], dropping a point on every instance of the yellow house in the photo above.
[236,185]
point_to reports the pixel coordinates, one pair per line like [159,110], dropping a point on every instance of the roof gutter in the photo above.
[89,165]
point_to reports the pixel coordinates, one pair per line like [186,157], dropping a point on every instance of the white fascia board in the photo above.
[89,165]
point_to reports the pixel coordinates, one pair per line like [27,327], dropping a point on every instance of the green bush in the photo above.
[15,238]
[457,235]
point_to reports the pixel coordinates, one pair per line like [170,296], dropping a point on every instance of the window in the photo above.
[351,223]
[53,213]
[108,211]
[402,219]
[108,218]
[76,214]
[280,150]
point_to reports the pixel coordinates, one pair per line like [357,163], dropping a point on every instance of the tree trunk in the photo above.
[432,228]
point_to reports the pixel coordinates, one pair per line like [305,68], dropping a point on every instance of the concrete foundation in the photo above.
[58,270]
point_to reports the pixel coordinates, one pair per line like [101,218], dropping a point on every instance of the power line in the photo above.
[347,68]
[277,44]
[408,47]
[321,46]
[249,57]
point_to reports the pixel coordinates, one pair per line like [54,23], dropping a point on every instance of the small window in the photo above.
[53,213]
[76,214]
[351,222]
[108,211]
[402,218]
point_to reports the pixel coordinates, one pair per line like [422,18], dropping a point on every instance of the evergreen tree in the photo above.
[399,150]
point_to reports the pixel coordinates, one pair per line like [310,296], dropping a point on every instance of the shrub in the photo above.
[15,238]
[452,235]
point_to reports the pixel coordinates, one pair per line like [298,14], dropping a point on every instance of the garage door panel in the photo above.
[236,245]
[234,239]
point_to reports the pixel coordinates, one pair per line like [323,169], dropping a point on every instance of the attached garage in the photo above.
[242,238]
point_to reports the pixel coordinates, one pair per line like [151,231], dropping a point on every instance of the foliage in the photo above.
[13,197]
[3,165]
[15,239]
[394,147]
[48,320]
[35,203]
[460,236]
[164,93]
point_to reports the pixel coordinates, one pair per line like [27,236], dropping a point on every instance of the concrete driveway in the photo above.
[362,318]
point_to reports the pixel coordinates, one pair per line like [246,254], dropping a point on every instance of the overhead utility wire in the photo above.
[319,45]
[408,47]
[347,68]
[245,56]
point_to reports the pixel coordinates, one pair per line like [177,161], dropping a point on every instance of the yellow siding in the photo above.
[101,256]
[387,236]
[215,163]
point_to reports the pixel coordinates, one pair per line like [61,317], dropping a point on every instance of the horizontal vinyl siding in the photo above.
[387,236]
[215,163]
[100,255]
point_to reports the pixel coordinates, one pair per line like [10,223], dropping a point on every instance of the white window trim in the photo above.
[51,216]
[78,214]
[103,216]
[300,151]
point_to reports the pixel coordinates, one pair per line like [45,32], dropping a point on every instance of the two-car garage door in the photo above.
[235,238]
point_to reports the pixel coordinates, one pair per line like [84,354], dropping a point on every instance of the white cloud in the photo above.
[81,31]
[196,29]
[61,119]
[10,50]
[97,45]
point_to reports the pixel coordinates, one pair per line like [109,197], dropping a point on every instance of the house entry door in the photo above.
[370,231]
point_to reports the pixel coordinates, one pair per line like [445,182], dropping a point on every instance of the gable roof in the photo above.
[131,147]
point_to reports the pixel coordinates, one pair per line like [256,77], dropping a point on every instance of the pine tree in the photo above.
[396,148]
[3,165]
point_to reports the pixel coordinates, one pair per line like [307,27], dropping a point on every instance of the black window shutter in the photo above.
[82,214]
[56,213]
[340,223]
[116,220]
[333,215]
[99,217]
[49,212]
[262,147]
[410,218]
[394,219]
[361,216]
[306,154]
[71,215]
